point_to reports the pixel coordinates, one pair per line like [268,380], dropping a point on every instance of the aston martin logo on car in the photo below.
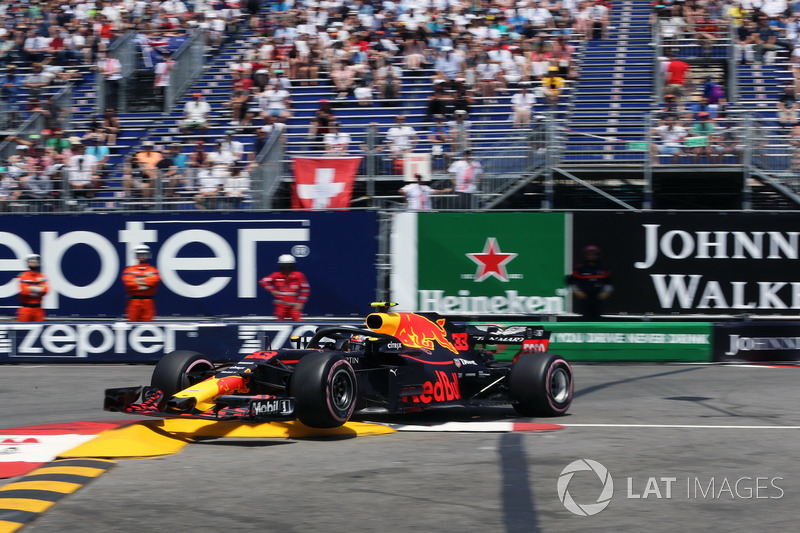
[491,262]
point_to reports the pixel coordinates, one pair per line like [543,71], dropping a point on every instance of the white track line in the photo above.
[673,426]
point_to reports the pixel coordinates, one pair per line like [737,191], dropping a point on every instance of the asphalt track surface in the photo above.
[652,422]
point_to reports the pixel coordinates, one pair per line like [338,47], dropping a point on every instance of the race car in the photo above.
[399,362]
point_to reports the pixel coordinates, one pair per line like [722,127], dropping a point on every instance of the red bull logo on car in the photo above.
[444,389]
[413,330]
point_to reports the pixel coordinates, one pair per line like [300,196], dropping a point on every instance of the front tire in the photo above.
[541,385]
[179,369]
[325,388]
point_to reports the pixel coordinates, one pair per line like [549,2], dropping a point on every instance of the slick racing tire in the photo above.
[325,388]
[179,369]
[541,385]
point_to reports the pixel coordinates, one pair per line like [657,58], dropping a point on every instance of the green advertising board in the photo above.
[484,263]
[625,341]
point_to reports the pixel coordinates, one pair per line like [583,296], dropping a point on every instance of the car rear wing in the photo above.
[534,339]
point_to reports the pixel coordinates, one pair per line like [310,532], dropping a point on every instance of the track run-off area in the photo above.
[655,447]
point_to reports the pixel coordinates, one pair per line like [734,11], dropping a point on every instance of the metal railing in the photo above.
[125,49]
[189,61]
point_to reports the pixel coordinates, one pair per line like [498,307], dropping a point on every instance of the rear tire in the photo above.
[325,388]
[541,385]
[179,369]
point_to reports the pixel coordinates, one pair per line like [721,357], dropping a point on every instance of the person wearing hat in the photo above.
[459,129]
[195,114]
[33,285]
[591,283]
[148,158]
[230,144]
[552,85]
[140,281]
[289,288]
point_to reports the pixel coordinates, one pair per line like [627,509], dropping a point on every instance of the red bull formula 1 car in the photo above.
[400,362]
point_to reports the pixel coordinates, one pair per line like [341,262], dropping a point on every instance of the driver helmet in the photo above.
[32,260]
[142,250]
[286,259]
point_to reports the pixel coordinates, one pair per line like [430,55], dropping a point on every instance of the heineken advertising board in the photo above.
[480,263]
[625,341]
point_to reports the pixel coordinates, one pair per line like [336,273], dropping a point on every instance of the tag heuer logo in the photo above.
[492,262]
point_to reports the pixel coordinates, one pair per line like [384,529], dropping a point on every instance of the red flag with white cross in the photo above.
[323,182]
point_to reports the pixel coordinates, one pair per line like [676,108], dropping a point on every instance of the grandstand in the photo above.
[592,150]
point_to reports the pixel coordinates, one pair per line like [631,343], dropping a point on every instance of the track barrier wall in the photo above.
[146,342]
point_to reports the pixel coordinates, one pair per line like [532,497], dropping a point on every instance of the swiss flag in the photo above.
[323,182]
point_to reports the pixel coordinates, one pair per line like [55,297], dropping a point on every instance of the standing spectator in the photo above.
[33,286]
[110,69]
[400,139]
[418,194]
[676,77]
[83,177]
[788,106]
[591,284]
[441,140]
[466,175]
[459,129]
[195,114]
[141,282]
[163,70]
[289,287]
[522,105]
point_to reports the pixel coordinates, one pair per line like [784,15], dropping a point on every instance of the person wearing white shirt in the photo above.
[466,175]
[522,103]
[231,145]
[195,114]
[418,195]
[336,142]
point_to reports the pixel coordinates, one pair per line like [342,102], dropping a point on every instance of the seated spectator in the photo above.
[237,186]
[36,80]
[210,189]
[766,40]
[551,87]
[37,185]
[323,116]
[389,82]
[704,135]
[9,191]
[441,140]
[488,72]
[707,30]
[195,114]
[522,105]
[449,64]
[337,143]
[148,159]
[95,146]
[57,141]
[668,139]
[745,42]
[277,101]
[438,102]
[135,182]
[788,106]
[10,89]
[110,126]
[673,25]
[462,98]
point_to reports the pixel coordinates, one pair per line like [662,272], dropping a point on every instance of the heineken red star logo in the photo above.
[491,262]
